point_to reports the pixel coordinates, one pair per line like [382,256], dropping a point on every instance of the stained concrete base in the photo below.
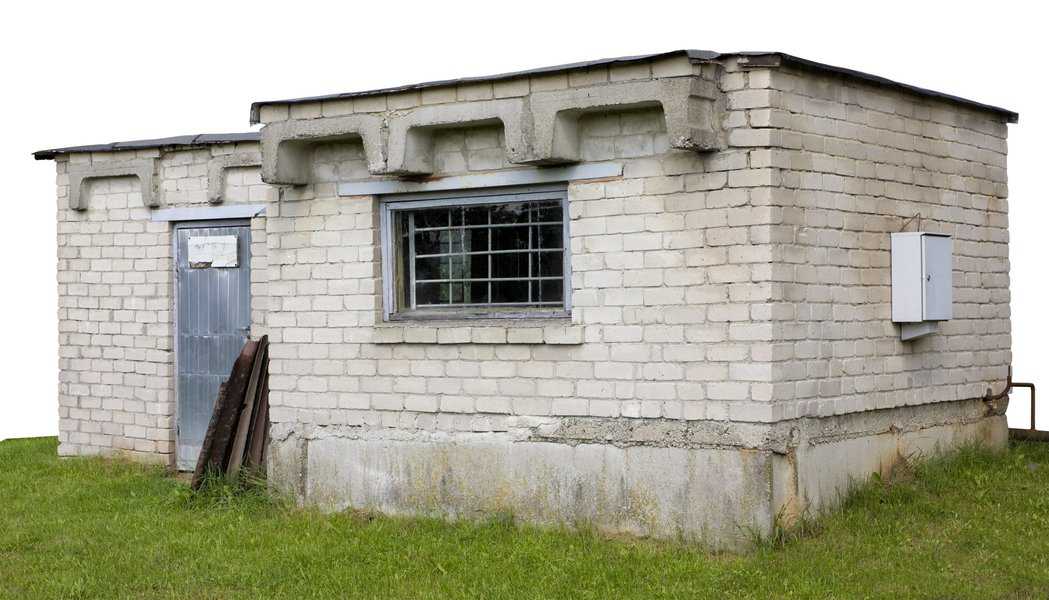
[718,484]
[839,451]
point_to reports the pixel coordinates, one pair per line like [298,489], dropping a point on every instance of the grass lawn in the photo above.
[974,526]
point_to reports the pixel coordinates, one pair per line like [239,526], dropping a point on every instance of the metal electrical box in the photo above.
[922,281]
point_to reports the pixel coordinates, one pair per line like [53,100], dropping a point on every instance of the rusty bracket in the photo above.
[1032,433]
[1029,386]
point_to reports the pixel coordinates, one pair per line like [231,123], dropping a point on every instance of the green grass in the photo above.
[973,526]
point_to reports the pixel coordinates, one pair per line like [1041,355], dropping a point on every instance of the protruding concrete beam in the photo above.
[286,145]
[411,133]
[693,109]
[145,169]
[217,172]
[541,128]
[690,105]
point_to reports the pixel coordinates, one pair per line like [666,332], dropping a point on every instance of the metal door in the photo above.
[939,277]
[212,321]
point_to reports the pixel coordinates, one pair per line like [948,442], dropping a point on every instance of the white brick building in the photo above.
[651,294]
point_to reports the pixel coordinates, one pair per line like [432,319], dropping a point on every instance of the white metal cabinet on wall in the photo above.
[922,281]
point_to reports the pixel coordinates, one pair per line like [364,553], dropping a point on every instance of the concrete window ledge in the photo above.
[526,332]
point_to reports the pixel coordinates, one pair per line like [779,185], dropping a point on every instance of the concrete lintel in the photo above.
[208,213]
[690,105]
[217,171]
[286,145]
[144,169]
[411,134]
[524,176]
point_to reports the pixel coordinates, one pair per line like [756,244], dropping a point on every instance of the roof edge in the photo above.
[694,55]
[180,141]
[1010,116]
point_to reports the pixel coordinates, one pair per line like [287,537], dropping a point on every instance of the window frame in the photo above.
[392,204]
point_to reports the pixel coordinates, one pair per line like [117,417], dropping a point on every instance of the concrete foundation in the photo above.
[716,483]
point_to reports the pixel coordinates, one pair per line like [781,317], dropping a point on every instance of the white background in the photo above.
[89,72]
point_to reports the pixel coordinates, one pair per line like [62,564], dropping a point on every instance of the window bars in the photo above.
[495,255]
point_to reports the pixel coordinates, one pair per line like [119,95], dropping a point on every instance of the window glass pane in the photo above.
[548,236]
[476,215]
[431,268]
[476,292]
[456,293]
[431,293]
[479,266]
[458,267]
[439,241]
[548,290]
[514,212]
[509,292]
[434,217]
[475,240]
[548,264]
[401,278]
[510,265]
[510,238]
[548,212]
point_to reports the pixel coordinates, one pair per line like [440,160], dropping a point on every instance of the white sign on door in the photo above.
[212,251]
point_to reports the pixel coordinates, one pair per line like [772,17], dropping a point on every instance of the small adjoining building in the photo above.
[653,294]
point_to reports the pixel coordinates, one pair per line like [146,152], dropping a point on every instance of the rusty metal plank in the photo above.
[260,429]
[248,408]
[214,453]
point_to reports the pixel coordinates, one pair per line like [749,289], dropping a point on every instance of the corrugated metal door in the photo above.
[213,319]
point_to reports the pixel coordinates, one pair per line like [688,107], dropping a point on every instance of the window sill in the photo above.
[549,331]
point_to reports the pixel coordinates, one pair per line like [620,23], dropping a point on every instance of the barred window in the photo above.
[497,255]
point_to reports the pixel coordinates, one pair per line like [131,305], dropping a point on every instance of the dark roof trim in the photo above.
[694,55]
[202,139]
[1010,116]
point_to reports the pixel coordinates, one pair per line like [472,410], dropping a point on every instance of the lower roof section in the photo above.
[178,141]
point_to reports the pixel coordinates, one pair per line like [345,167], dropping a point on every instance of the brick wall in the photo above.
[116,365]
[750,284]
[855,163]
[671,291]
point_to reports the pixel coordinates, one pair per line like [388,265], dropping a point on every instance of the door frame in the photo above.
[176,226]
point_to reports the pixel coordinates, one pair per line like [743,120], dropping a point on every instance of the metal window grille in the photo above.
[495,255]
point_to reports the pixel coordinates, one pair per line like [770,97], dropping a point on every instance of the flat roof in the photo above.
[694,55]
[200,139]
[204,139]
